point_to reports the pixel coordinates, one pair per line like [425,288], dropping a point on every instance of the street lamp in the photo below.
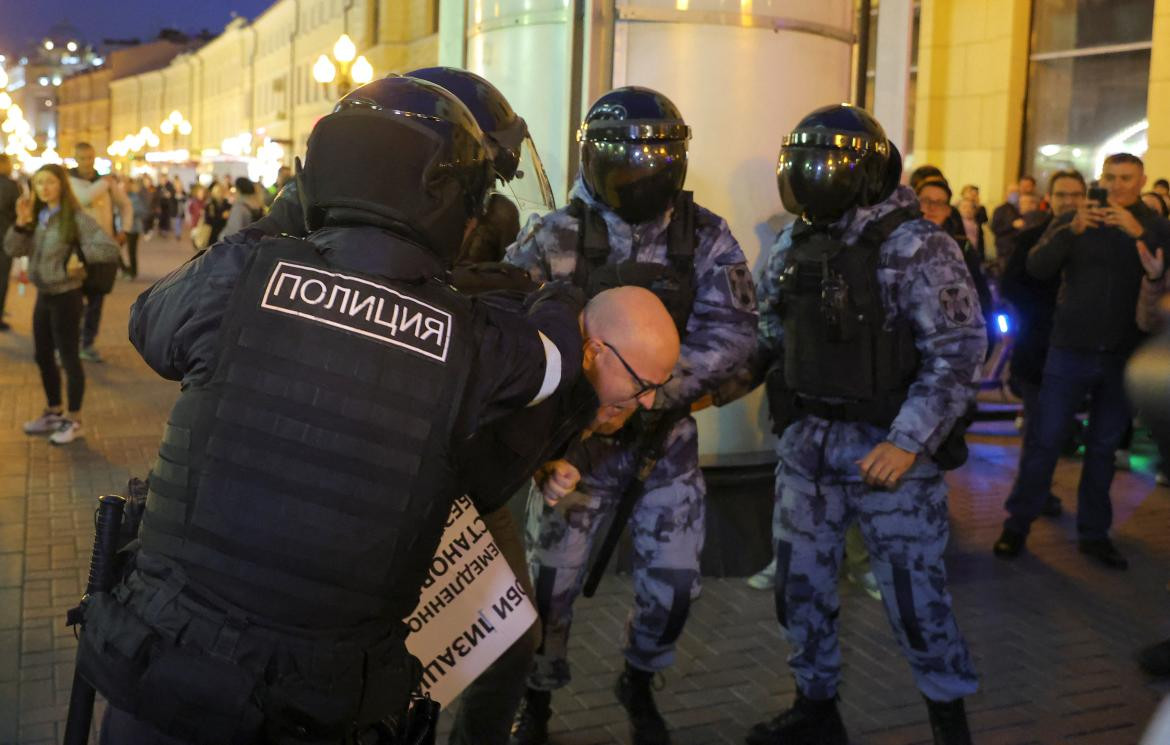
[355,69]
[176,122]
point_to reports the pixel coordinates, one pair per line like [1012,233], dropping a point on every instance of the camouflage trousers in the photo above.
[905,530]
[667,532]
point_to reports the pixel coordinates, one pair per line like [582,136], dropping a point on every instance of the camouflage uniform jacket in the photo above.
[720,334]
[923,279]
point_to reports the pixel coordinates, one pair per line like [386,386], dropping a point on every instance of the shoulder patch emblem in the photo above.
[958,305]
[740,286]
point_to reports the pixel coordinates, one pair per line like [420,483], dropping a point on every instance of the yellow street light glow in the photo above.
[185,127]
[344,49]
[167,127]
[71,46]
[16,112]
[175,117]
[8,127]
[145,131]
[5,101]
[112,150]
[49,44]
[152,140]
[3,78]
[362,71]
[323,70]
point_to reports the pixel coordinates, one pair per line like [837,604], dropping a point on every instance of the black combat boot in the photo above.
[633,692]
[808,722]
[531,726]
[948,722]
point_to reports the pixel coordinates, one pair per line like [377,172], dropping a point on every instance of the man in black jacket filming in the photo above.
[1102,251]
[1034,303]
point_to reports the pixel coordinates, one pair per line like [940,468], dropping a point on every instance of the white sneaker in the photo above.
[44,424]
[866,581]
[66,433]
[765,579]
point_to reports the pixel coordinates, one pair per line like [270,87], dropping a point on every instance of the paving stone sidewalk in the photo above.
[1052,634]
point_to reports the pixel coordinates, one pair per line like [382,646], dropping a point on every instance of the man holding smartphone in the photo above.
[1103,251]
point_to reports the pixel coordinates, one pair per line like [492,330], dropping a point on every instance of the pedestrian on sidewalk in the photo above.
[51,229]
[99,196]
[1101,251]
[215,212]
[9,193]
[248,207]
[178,200]
[138,200]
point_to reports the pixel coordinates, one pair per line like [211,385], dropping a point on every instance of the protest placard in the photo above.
[471,610]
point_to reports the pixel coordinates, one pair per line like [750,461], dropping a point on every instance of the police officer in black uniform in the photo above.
[308,466]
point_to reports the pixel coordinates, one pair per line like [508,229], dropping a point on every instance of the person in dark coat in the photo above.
[1033,303]
[9,193]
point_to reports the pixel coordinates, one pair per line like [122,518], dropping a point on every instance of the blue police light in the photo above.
[1001,321]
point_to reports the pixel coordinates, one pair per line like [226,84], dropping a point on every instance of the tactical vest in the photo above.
[673,282]
[837,346]
[310,479]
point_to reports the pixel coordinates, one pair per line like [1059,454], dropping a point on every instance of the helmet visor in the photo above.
[818,183]
[637,180]
[529,189]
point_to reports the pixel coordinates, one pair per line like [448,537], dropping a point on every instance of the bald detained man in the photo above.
[631,347]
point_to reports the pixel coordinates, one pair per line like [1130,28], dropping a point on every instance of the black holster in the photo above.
[782,401]
[952,453]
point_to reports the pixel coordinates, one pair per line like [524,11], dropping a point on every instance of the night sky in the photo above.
[26,21]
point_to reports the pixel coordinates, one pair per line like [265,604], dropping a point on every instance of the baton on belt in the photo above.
[107,523]
[653,445]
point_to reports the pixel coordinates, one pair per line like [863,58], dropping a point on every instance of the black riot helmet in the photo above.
[634,152]
[503,128]
[837,158]
[401,153]
[509,144]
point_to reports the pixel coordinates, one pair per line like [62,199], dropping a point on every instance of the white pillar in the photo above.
[892,82]
[452,32]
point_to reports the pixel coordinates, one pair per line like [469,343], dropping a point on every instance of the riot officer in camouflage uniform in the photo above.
[630,222]
[872,338]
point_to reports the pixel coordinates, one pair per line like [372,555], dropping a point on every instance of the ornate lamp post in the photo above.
[346,67]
